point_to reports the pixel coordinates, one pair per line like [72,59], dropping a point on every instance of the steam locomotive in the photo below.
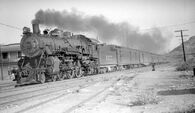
[57,55]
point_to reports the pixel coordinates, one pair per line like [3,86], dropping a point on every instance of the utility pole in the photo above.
[1,61]
[181,31]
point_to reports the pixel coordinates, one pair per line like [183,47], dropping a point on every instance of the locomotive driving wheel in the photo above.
[78,72]
[54,78]
[41,78]
[71,74]
[61,76]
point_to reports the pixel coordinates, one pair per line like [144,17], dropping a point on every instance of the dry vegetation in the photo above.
[186,66]
[127,89]
[144,98]
[188,109]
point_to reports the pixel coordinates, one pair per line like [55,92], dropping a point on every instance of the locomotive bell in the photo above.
[26,30]
[36,29]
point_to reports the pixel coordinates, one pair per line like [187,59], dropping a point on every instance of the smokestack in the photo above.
[36,29]
[35,26]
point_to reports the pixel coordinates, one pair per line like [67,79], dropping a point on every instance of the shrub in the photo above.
[144,98]
[184,67]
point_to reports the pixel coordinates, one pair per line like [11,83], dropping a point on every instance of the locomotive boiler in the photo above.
[56,55]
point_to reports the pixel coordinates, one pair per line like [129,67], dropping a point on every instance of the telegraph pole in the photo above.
[1,61]
[181,31]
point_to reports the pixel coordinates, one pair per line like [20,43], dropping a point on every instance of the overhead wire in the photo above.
[167,26]
[10,26]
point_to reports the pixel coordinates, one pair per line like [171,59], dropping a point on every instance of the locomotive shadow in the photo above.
[26,84]
[177,92]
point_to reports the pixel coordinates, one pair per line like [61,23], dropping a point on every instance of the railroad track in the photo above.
[55,95]
[9,99]
[79,103]
[18,96]
[31,108]
[88,99]
[45,96]
[96,95]
[52,91]
[38,87]
[50,84]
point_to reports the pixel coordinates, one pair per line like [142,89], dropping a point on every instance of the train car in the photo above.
[108,60]
[137,58]
[154,58]
[129,58]
[142,61]
[147,58]
[124,56]
[112,57]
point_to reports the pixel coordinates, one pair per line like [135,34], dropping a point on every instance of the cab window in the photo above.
[5,55]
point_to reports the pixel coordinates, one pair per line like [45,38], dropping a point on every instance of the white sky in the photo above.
[141,13]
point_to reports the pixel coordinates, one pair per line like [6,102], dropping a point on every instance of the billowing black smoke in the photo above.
[123,33]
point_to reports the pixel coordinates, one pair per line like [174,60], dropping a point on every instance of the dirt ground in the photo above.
[162,91]
[133,91]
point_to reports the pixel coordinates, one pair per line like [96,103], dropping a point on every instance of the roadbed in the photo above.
[162,91]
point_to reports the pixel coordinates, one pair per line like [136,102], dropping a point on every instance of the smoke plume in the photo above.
[123,33]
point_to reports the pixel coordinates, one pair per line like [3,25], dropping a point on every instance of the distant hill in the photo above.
[177,53]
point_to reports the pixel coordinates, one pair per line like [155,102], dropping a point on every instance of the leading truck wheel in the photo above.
[41,78]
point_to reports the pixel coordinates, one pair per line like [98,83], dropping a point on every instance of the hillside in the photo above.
[177,53]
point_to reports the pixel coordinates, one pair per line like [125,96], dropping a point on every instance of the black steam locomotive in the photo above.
[57,55]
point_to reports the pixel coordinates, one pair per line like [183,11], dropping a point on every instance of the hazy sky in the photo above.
[167,15]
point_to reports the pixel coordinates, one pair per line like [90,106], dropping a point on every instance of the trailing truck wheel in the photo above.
[41,78]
